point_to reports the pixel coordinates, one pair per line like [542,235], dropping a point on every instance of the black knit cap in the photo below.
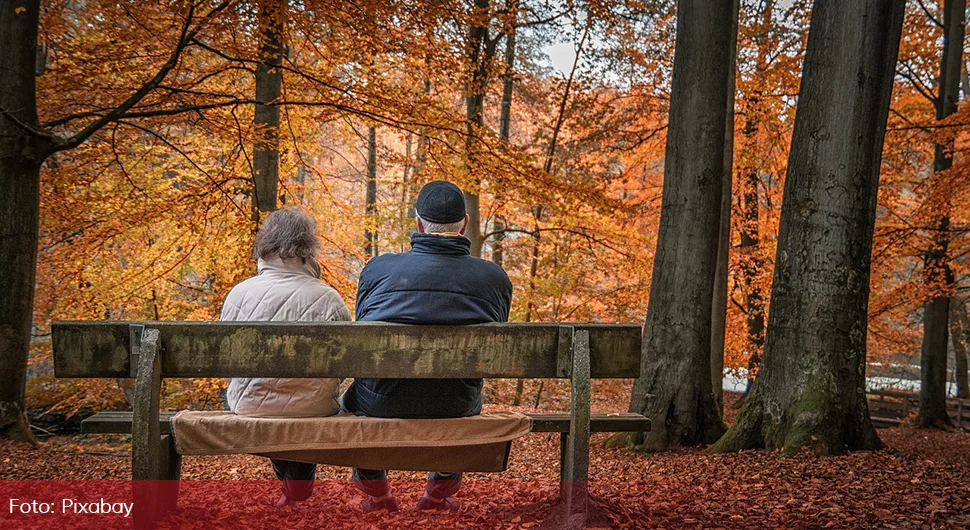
[440,202]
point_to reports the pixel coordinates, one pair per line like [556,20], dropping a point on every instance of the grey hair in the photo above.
[289,233]
[437,228]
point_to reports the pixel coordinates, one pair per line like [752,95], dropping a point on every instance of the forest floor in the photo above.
[921,480]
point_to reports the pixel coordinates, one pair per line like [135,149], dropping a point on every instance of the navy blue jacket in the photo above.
[437,282]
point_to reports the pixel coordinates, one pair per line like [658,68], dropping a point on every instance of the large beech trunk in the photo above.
[674,388]
[939,277]
[810,391]
[21,155]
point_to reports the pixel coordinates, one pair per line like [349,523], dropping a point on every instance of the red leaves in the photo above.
[921,480]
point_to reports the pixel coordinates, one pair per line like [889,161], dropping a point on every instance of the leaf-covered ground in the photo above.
[922,480]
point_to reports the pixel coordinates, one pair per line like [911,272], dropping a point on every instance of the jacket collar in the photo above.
[445,245]
[277,265]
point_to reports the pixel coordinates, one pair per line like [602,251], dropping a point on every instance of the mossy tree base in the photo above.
[823,422]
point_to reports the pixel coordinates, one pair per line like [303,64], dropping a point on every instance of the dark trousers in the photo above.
[373,482]
[297,478]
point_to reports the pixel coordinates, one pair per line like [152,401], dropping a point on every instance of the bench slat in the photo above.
[119,422]
[340,349]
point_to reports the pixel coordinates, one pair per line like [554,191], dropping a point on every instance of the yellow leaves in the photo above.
[19,10]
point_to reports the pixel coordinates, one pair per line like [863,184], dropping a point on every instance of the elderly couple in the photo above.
[436,282]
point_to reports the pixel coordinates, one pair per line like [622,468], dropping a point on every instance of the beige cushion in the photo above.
[475,443]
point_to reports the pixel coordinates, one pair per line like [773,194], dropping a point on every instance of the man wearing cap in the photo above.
[436,282]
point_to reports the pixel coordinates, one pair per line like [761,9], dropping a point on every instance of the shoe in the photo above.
[284,502]
[370,505]
[446,504]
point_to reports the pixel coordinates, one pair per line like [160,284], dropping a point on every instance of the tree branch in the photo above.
[932,18]
[186,35]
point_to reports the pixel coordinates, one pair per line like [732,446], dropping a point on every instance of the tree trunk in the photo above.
[674,388]
[479,55]
[958,337]
[750,248]
[504,126]
[420,156]
[21,156]
[810,391]
[269,81]
[370,202]
[719,304]
[939,277]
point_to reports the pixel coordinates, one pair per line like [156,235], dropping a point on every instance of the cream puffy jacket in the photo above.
[284,291]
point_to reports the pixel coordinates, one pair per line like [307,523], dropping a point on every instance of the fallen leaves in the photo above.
[921,480]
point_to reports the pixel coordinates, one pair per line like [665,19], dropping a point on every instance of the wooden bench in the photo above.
[150,351]
[890,408]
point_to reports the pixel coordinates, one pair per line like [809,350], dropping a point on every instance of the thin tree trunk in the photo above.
[420,156]
[674,388]
[504,127]
[958,338]
[269,82]
[963,386]
[719,303]
[21,156]
[750,251]
[939,277]
[405,188]
[810,391]
[479,55]
[370,208]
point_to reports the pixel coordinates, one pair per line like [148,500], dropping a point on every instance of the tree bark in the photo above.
[719,304]
[810,391]
[963,386]
[370,201]
[958,337]
[504,127]
[937,272]
[674,388]
[21,156]
[269,82]
[479,55]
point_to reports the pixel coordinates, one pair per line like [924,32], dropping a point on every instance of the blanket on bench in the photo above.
[476,443]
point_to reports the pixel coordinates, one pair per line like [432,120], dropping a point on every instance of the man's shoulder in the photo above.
[383,263]
[489,268]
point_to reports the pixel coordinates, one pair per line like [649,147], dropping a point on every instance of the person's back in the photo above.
[286,288]
[436,282]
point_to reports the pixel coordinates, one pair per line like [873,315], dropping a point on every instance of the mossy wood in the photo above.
[361,349]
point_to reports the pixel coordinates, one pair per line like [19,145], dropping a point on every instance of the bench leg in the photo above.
[171,470]
[574,486]
[154,462]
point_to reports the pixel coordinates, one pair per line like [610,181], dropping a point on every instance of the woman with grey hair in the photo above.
[286,288]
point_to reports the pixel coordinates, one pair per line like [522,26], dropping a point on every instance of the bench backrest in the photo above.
[359,349]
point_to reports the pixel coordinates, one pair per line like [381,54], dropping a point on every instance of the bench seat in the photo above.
[119,422]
